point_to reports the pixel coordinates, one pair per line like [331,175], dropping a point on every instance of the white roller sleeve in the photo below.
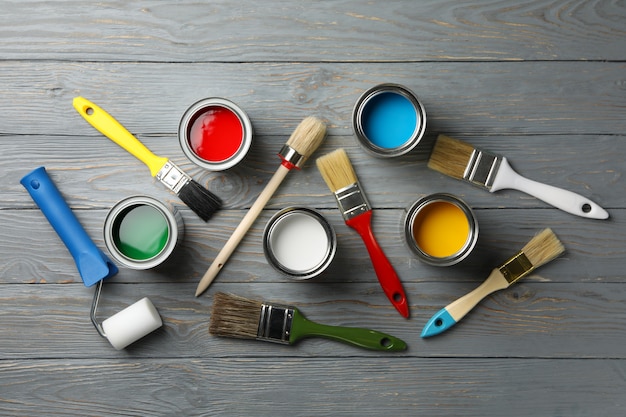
[132,323]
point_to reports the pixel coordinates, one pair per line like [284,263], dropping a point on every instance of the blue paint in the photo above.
[389,120]
[438,323]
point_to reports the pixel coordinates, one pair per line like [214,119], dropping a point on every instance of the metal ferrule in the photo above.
[482,168]
[173,177]
[291,156]
[517,267]
[275,323]
[352,201]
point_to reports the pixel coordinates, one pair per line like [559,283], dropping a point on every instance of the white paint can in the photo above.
[299,242]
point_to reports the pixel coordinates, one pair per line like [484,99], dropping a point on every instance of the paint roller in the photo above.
[129,325]
[123,328]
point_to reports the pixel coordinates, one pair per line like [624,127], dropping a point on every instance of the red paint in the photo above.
[216,134]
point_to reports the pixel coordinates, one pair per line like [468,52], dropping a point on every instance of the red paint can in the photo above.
[215,133]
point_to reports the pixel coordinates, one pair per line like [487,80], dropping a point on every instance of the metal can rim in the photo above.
[175,231]
[469,244]
[330,235]
[192,111]
[357,120]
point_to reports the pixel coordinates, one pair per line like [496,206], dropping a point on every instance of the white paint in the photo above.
[299,242]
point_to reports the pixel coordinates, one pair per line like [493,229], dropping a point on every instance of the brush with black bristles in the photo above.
[304,140]
[541,249]
[243,318]
[340,177]
[488,170]
[196,197]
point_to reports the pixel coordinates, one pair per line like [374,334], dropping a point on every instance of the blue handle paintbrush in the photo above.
[541,249]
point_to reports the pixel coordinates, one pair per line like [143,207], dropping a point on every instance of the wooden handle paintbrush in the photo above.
[340,177]
[541,249]
[485,169]
[303,142]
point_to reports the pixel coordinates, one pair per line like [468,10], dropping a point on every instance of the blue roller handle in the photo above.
[91,262]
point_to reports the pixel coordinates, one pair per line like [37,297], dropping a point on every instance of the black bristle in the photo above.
[203,202]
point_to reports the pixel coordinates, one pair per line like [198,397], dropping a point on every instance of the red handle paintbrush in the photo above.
[340,177]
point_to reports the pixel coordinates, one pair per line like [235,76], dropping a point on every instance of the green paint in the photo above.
[140,232]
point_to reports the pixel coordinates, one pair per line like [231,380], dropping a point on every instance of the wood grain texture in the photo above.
[335,31]
[92,172]
[540,82]
[534,319]
[149,98]
[278,386]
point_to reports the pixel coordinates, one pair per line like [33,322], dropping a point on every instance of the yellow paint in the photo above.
[441,229]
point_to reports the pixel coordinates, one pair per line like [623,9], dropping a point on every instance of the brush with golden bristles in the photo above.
[243,318]
[200,200]
[340,177]
[541,249]
[304,140]
[485,169]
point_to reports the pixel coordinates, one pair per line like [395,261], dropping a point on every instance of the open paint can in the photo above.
[299,242]
[388,120]
[441,229]
[215,133]
[141,232]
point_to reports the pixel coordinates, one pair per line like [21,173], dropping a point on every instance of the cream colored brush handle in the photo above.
[565,200]
[459,308]
[242,229]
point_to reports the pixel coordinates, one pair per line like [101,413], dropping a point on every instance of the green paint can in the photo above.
[141,232]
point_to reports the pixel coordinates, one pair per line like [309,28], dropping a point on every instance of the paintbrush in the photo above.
[243,318]
[541,249]
[485,169]
[304,140]
[201,201]
[340,177]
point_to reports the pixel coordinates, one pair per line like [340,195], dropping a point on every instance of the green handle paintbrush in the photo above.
[301,327]
[239,317]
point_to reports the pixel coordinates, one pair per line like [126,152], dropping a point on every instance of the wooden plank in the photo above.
[534,319]
[595,249]
[320,386]
[530,98]
[541,82]
[330,31]
[93,172]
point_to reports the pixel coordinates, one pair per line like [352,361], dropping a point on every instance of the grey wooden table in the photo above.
[542,82]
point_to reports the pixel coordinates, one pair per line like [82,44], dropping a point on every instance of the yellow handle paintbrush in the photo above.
[201,201]
[540,250]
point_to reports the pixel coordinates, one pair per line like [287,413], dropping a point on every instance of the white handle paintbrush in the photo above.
[303,142]
[485,169]
[541,249]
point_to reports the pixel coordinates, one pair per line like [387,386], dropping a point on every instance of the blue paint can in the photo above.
[388,120]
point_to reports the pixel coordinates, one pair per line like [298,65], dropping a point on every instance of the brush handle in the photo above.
[92,263]
[455,311]
[242,229]
[567,201]
[387,276]
[365,338]
[112,129]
